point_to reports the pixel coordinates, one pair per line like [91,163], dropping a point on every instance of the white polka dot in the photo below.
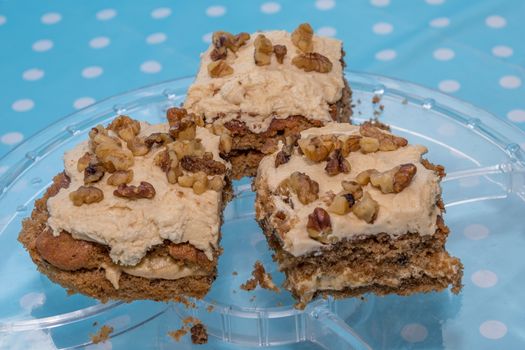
[151,67]
[51,18]
[99,42]
[517,115]
[92,72]
[484,278]
[444,54]
[33,74]
[386,55]
[447,129]
[161,12]
[414,333]
[380,3]
[440,22]
[23,105]
[3,169]
[207,38]
[493,329]
[11,138]
[495,21]
[326,31]
[106,14]
[502,51]
[270,7]
[32,300]
[3,19]
[476,231]
[449,85]
[325,4]
[156,38]
[82,102]
[42,45]
[382,28]
[215,11]
[434,2]
[510,82]
[469,181]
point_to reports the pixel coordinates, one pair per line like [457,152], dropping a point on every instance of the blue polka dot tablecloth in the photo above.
[60,56]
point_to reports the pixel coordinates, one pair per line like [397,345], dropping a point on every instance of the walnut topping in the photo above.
[366,209]
[158,138]
[387,142]
[302,37]
[319,225]
[354,188]
[312,61]
[224,40]
[286,151]
[120,177]
[144,190]
[337,164]
[219,69]
[86,195]
[350,144]
[137,146]
[125,127]
[216,183]
[363,178]
[86,160]
[113,156]
[317,148]
[183,129]
[263,50]
[280,51]
[209,166]
[187,148]
[93,173]
[168,161]
[342,203]
[306,189]
[369,144]
[394,180]
[225,143]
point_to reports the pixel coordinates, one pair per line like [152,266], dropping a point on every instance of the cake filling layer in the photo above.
[131,227]
[412,210]
[257,94]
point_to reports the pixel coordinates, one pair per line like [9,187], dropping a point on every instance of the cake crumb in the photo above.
[102,335]
[235,273]
[199,335]
[260,277]
[210,308]
[179,333]
[190,319]
[95,324]
[376,99]
[182,300]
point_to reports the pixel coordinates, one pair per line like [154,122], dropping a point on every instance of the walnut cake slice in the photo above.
[257,89]
[355,209]
[136,214]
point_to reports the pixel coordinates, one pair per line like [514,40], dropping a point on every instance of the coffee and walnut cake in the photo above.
[257,89]
[125,218]
[355,209]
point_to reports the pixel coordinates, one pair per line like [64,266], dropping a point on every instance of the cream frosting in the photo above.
[257,94]
[131,227]
[412,210]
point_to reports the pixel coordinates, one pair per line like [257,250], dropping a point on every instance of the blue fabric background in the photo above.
[58,56]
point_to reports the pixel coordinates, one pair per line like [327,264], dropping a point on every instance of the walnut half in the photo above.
[86,195]
[263,50]
[312,61]
[144,190]
[219,69]
[319,225]
[306,189]
[302,37]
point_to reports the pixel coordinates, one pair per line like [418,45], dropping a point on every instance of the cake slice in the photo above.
[257,89]
[136,214]
[355,209]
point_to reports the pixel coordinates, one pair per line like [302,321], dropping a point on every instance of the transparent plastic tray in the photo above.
[485,197]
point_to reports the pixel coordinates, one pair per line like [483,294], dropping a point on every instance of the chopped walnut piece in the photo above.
[168,161]
[354,188]
[306,189]
[363,178]
[350,144]
[216,183]
[93,173]
[342,203]
[280,51]
[312,61]
[316,149]
[113,155]
[200,185]
[238,41]
[86,160]
[125,127]
[144,190]
[366,209]
[120,177]
[137,146]
[183,129]
[394,180]
[186,180]
[158,138]
[196,164]
[219,69]
[369,144]
[263,50]
[387,142]
[319,225]
[225,143]
[302,37]
[224,40]
[187,148]
[337,164]
[199,335]
[86,195]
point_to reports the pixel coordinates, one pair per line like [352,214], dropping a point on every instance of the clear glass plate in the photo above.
[485,196]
